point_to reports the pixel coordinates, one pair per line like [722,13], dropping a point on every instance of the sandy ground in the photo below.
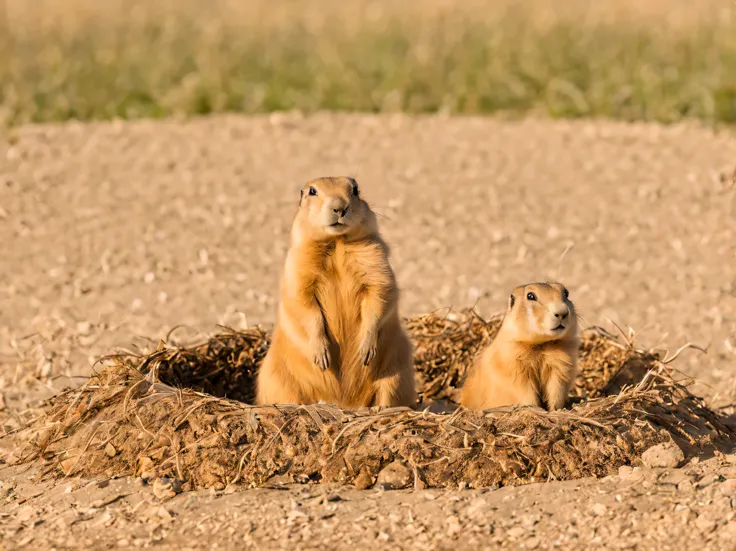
[113,234]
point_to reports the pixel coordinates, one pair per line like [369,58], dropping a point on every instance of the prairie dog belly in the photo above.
[339,296]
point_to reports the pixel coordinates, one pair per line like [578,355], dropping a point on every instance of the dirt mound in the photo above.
[184,413]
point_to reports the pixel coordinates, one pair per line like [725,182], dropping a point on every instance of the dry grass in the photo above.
[165,415]
[79,59]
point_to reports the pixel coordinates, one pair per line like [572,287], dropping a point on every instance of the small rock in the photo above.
[67,465]
[515,532]
[453,525]
[529,521]
[110,450]
[705,524]
[166,488]
[599,509]
[164,513]
[25,514]
[686,486]
[624,471]
[727,533]
[673,477]
[364,480]
[145,468]
[295,515]
[708,480]
[478,507]
[394,476]
[728,488]
[663,455]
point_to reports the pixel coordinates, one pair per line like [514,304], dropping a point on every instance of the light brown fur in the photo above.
[529,362]
[338,338]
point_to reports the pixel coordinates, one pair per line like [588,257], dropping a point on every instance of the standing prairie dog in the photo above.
[338,338]
[533,360]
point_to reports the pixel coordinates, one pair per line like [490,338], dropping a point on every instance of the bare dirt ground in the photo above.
[112,234]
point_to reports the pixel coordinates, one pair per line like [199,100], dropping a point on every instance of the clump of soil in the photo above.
[185,414]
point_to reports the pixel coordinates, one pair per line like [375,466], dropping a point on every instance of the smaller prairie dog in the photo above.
[338,338]
[533,361]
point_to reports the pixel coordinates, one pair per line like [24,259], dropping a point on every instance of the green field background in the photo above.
[663,60]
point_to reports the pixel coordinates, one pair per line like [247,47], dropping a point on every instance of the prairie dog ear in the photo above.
[512,300]
[356,191]
[301,196]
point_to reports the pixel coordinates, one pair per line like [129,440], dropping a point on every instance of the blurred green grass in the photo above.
[132,62]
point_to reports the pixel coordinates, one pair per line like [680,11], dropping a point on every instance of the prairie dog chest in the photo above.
[344,274]
[345,270]
[540,362]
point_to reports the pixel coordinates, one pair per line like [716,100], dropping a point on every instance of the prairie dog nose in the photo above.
[340,208]
[562,313]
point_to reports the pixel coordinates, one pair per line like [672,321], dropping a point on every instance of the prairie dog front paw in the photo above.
[368,348]
[321,356]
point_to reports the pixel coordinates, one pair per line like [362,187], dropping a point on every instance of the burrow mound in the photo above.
[184,413]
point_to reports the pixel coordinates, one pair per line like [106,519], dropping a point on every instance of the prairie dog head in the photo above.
[541,312]
[331,207]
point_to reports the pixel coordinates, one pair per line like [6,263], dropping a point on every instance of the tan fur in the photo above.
[529,362]
[338,338]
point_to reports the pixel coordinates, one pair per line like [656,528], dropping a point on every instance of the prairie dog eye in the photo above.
[567,294]
[531,296]
[312,191]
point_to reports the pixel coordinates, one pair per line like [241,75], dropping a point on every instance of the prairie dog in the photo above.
[533,360]
[338,338]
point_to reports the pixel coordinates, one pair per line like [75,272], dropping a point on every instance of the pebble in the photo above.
[665,455]
[686,486]
[164,513]
[364,480]
[394,476]
[515,532]
[705,524]
[599,509]
[673,477]
[145,468]
[25,514]
[728,488]
[477,506]
[453,525]
[166,488]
